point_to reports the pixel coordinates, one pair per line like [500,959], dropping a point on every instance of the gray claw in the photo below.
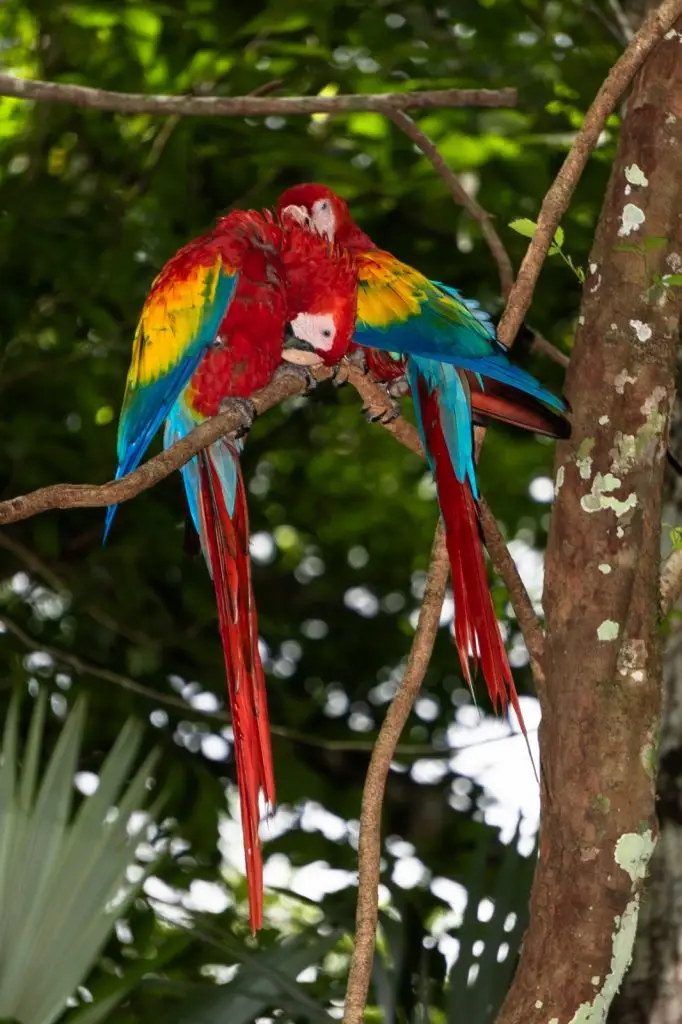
[357,358]
[398,388]
[298,371]
[340,375]
[246,409]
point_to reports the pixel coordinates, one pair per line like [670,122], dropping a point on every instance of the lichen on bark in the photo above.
[602,657]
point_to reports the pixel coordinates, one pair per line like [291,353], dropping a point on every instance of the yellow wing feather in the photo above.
[171,321]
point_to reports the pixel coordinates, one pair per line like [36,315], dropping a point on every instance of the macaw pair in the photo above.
[212,328]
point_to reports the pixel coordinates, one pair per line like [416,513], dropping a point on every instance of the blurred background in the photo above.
[91,205]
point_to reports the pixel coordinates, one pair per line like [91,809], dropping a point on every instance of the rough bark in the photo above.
[602,658]
[652,993]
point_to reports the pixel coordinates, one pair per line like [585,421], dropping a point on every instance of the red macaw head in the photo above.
[321,284]
[317,208]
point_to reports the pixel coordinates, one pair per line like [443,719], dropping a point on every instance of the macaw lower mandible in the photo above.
[453,362]
[213,328]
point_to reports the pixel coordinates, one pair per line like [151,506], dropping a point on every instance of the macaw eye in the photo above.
[324,205]
[326,333]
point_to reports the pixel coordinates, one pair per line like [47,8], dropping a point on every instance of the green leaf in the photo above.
[675,280]
[559,237]
[627,247]
[655,242]
[264,980]
[523,226]
[58,874]
[676,538]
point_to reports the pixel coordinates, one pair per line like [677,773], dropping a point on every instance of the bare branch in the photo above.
[556,201]
[249,106]
[621,17]
[529,624]
[543,347]
[156,468]
[369,852]
[460,195]
[162,465]
[671,582]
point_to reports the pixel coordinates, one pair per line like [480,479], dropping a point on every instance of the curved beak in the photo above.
[296,350]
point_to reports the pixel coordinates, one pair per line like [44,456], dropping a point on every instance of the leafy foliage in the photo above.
[342,517]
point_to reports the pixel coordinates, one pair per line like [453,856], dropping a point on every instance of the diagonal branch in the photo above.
[671,582]
[156,468]
[162,465]
[249,106]
[369,851]
[559,195]
[459,194]
[484,220]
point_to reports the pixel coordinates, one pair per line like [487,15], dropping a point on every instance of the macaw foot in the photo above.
[247,411]
[358,359]
[398,388]
[340,374]
[387,415]
[298,372]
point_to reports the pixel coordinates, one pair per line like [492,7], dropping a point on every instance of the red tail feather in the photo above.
[227,542]
[505,404]
[477,634]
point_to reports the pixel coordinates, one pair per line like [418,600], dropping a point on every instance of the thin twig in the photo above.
[541,346]
[556,201]
[504,564]
[623,21]
[222,718]
[671,581]
[369,851]
[249,106]
[459,194]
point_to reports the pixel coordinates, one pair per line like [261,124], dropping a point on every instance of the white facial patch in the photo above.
[323,219]
[318,329]
[297,213]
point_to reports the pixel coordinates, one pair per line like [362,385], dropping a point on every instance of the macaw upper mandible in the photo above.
[213,328]
[453,360]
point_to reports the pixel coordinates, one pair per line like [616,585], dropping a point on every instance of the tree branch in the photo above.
[249,106]
[556,201]
[62,496]
[459,195]
[156,468]
[671,582]
[369,852]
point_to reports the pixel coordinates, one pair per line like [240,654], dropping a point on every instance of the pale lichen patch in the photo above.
[605,568]
[603,420]
[600,497]
[621,380]
[631,219]
[583,459]
[608,630]
[642,331]
[634,175]
[560,474]
[624,453]
[674,261]
[632,854]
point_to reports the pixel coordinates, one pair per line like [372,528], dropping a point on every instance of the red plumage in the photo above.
[477,633]
[228,551]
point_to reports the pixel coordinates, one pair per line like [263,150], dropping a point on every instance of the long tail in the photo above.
[224,534]
[501,402]
[477,633]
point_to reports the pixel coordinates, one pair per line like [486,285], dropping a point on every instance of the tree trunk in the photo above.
[602,661]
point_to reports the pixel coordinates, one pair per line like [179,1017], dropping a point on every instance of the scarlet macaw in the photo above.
[447,346]
[213,328]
